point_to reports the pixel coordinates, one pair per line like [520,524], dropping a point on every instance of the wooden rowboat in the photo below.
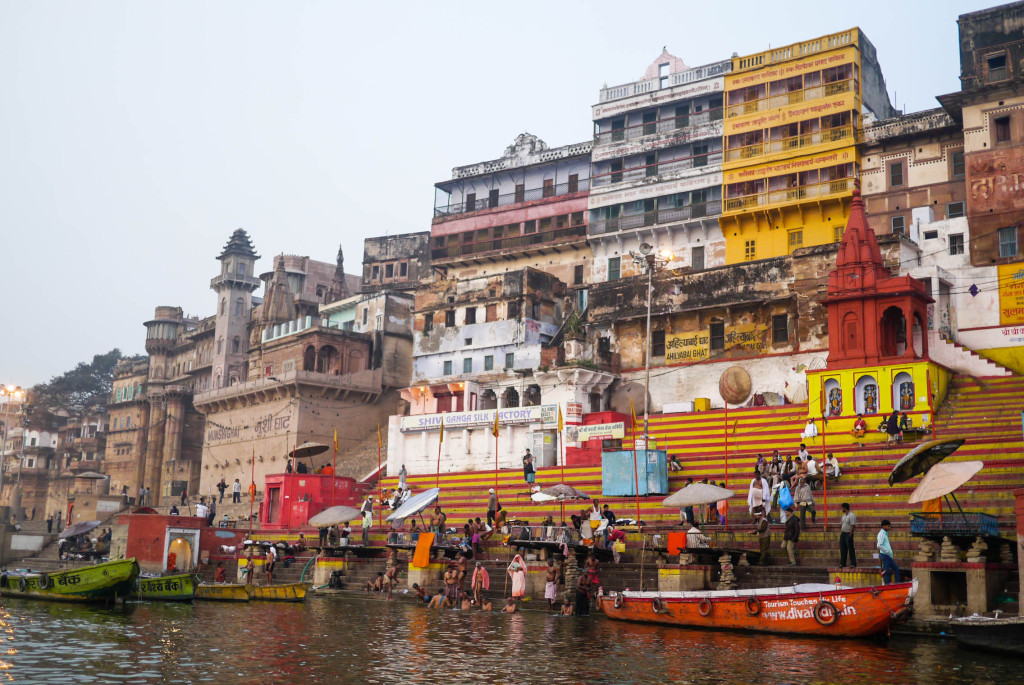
[99,583]
[810,609]
[177,588]
[290,592]
[223,592]
[1002,635]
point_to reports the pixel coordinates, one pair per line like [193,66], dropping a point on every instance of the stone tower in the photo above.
[234,287]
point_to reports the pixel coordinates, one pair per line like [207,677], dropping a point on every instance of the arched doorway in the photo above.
[833,397]
[179,554]
[309,359]
[865,395]
[903,391]
[893,330]
[918,336]
[510,398]
[488,400]
[327,360]
[531,398]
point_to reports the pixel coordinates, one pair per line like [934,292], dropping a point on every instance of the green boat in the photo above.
[177,588]
[100,583]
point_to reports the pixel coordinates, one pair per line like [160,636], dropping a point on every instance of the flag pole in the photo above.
[495,431]
[334,466]
[725,434]
[636,476]
[824,469]
[380,515]
[252,495]
[437,482]
[559,442]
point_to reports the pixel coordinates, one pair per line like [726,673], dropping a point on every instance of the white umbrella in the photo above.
[943,479]
[334,516]
[542,497]
[697,494]
[415,504]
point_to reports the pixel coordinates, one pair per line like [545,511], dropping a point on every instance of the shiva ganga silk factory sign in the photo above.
[546,414]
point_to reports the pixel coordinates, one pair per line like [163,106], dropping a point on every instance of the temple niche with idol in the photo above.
[878,358]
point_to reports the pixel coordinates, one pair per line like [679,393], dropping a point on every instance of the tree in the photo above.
[87,384]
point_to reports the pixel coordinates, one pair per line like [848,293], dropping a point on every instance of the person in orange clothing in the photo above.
[723,508]
[252,491]
[327,470]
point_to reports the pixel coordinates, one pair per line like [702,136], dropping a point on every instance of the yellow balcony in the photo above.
[784,196]
[791,98]
[844,134]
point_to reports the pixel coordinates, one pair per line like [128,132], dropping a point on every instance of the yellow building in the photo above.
[792,122]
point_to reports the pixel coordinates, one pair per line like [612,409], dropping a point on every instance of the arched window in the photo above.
[833,397]
[223,305]
[532,396]
[917,331]
[903,391]
[511,397]
[220,345]
[239,303]
[236,345]
[309,359]
[866,395]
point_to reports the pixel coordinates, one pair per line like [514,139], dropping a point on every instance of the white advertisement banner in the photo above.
[547,414]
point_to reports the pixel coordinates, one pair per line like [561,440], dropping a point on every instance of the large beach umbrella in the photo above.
[944,479]
[415,504]
[922,458]
[697,494]
[308,449]
[78,529]
[335,516]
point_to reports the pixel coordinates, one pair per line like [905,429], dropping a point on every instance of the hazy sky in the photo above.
[136,136]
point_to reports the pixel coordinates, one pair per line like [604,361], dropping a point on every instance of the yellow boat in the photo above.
[98,583]
[290,592]
[223,592]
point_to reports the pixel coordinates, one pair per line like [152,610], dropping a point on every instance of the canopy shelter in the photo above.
[334,516]
[415,504]
[697,494]
[308,449]
[942,480]
[79,528]
[926,455]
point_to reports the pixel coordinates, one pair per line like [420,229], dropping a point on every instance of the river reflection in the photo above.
[355,641]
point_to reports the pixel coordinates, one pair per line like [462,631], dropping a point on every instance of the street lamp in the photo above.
[650,261]
[8,394]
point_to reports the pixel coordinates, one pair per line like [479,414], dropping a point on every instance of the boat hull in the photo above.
[1004,636]
[858,612]
[100,583]
[291,592]
[227,592]
[177,588]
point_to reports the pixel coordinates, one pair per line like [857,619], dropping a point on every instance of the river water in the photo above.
[332,640]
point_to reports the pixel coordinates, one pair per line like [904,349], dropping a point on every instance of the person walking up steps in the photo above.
[529,473]
[847,527]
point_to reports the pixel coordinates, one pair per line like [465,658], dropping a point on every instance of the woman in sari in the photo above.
[517,572]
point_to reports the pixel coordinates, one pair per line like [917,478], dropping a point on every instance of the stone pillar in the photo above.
[174,419]
[155,446]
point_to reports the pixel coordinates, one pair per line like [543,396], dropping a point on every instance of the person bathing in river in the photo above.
[481,582]
[551,585]
[517,572]
[510,607]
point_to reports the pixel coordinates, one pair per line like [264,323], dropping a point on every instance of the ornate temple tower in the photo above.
[234,287]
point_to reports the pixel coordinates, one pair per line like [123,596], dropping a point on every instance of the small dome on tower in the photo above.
[239,244]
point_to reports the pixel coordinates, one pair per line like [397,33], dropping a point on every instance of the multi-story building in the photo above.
[656,173]
[793,117]
[396,262]
[128,424]
[526,209]
[990,107]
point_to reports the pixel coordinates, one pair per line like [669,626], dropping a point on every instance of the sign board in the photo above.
[573,413]
[598,431]
[1011,294]
[548,414]
[695,345]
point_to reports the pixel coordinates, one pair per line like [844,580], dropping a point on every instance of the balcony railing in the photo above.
[506,199]
[791,98]
[518,242]
[235,278]
[661,168]
[660,126]
[666,215]
[812,191]
[771,147]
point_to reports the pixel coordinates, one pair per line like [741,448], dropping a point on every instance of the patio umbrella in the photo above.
[90,475]
[922,458]
[415,504]
[944,479]
[78,529]
[697,494]
[562,491]
[308,449]
[335,516]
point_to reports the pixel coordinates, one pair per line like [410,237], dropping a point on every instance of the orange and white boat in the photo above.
[808,609]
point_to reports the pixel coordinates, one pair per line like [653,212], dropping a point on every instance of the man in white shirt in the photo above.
[810,430]
[202,511]
[402,473]
[813,474]
[236,492]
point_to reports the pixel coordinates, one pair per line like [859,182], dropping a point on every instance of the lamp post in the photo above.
[8,394]
[650,261]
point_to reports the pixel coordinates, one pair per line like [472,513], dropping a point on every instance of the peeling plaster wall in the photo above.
[462,450]
[411,249]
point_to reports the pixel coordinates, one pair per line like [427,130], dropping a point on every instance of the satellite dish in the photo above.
[734,385]
[622,395]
